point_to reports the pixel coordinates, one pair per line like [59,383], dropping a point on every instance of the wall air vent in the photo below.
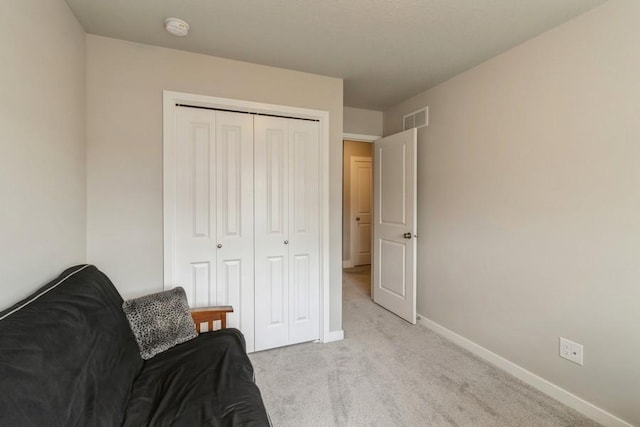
[417,119]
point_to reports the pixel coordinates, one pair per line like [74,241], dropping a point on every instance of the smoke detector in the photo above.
[176,26]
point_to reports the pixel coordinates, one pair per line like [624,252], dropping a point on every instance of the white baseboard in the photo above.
[334,336]
[347,264]
[560,394]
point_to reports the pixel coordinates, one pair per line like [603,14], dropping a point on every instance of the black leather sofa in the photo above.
[69,358]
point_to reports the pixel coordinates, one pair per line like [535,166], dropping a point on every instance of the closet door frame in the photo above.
[170,101]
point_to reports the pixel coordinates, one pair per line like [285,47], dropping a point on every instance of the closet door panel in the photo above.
[271,232]
[272,308]
[234,213]
[304,249]
[301,284]
[200,283]
[194,260]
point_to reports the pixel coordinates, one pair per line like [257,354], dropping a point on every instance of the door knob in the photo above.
[357,218]
[219,246]
[407,235]
[286,242]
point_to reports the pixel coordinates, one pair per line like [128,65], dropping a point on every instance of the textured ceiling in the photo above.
[385,50]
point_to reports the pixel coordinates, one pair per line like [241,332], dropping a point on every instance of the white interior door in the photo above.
[234,225]
[271,232]
[212,256]
[395,231]
[195,233]
[361,209]
[304,231]
[287,270]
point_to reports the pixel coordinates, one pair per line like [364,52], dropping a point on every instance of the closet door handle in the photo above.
[407,235]
[286,242]
[219,246]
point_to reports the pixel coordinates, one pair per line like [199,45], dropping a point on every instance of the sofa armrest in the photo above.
[210,314]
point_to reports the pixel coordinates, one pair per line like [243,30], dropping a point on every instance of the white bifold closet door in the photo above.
[242,221]
[287,249]
[214,237]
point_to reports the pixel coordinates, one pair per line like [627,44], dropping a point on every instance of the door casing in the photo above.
[358,138]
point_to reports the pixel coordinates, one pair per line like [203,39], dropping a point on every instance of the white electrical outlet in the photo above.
[572,351]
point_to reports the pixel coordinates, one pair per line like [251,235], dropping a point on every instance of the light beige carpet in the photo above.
[389,373]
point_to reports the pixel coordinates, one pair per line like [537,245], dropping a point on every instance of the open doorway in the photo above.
[380,221]
[357,229]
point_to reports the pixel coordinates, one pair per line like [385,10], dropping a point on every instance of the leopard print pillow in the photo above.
[160,321]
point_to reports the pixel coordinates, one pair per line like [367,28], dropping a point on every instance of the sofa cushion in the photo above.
[67,355]
[207,381]
[160,321]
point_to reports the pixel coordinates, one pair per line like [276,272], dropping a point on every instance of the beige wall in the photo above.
[124,130]
[42,144]
[351,149]
[529,204]
[362,122]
